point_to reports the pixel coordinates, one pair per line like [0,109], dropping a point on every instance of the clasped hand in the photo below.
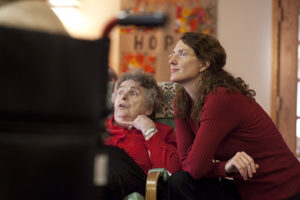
[142,123]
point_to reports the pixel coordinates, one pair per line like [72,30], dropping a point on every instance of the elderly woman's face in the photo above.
[130,101]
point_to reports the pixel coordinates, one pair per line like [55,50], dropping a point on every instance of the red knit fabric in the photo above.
[161,146]
[230,123]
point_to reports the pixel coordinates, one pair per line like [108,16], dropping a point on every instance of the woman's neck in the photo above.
[123,122]
[190,87]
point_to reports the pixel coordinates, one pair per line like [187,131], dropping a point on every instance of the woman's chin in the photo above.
[174,80]
[122,120]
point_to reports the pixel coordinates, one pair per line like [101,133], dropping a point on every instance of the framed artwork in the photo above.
[149,48]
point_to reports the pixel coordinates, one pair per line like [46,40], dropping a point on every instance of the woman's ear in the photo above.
[204,66]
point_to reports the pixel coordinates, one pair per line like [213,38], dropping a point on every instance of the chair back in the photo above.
[164,112]
[52,96]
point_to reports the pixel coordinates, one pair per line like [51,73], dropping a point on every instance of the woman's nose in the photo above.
[172,60]
[124,96]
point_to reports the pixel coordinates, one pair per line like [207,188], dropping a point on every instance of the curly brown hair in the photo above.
[208,50]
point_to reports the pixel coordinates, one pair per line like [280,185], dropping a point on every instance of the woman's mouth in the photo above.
[122,105]
[174,70]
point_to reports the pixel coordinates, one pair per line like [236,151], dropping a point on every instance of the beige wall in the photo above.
[245,30]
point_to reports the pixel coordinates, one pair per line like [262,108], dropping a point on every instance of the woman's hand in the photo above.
[242,163]
[143,123]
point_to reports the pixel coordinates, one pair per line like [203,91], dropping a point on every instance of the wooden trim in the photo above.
[288,71]
[276,12]
[298,139]
[151,185]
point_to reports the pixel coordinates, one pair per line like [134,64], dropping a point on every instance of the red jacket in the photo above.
[158,152]
[230,123]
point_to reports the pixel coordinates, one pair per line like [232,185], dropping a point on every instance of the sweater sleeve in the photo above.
[220,116]
[163,150]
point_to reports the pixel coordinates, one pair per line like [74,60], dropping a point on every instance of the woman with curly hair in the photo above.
[217,118]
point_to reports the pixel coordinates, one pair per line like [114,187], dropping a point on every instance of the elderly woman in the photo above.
[136,143]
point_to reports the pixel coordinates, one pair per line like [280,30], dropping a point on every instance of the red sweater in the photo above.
[161,146]
[230,123]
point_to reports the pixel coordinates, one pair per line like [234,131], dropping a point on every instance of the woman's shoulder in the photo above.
[109,121]
[223,96]
[223,91]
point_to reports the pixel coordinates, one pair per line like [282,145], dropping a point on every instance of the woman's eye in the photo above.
[120,92]
[133,93]
[181,54]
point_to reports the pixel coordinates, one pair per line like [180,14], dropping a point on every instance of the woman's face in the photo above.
[185,66]
[130,101]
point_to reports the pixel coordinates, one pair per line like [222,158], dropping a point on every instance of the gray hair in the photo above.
[146,80]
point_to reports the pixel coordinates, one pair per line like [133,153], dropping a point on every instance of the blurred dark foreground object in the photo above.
[52,97]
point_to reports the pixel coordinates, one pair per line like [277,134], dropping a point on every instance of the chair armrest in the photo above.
[152,181]
[134,196]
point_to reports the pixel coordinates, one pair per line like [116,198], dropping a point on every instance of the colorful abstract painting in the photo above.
[191,15]
[132,61]
[195,18]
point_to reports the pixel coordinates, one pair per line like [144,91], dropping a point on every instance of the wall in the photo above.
[245,30]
